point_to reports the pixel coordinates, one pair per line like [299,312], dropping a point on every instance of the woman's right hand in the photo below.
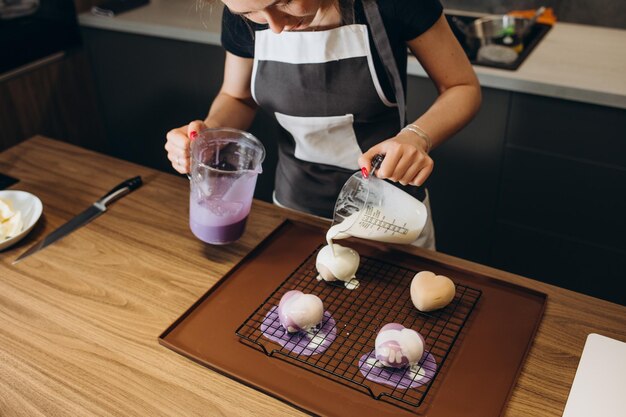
[177,144]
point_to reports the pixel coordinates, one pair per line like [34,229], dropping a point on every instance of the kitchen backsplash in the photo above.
[608,13]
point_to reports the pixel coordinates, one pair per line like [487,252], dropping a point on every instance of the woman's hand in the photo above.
[177,144]
[406,160]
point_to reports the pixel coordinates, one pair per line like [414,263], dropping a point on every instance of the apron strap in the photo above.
[381,41]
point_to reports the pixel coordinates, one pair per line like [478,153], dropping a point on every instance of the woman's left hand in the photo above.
[406,160]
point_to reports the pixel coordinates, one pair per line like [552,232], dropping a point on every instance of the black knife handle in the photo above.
[120,190]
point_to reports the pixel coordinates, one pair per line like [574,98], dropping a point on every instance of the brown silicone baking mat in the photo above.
[492,333]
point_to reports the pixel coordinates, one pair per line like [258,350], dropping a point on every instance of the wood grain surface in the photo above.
[80,320]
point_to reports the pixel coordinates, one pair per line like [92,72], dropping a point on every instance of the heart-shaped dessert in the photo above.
[300,312]
[431,292]
[397,346]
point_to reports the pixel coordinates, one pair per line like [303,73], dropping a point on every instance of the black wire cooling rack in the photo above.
[382,297]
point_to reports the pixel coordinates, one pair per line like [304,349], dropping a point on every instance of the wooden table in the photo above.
[80,320]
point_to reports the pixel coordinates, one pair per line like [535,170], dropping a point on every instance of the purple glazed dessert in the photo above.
[300,312]
[313,342]
[399,359]
[398,378]
[397,346]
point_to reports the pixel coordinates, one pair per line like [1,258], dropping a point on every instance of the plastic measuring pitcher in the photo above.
[225,164]
[377,210]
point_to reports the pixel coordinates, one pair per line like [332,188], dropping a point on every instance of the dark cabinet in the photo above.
[56,99]
[464,185]
[561,215]
[571,198]
[568,129]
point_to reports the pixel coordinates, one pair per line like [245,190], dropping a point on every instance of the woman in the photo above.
[332,72]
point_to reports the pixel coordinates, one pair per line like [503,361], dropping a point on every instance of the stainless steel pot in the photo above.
[504,30]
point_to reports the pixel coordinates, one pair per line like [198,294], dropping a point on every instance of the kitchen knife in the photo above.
[85,217]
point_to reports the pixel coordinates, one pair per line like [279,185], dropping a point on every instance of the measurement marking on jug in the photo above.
[381,223]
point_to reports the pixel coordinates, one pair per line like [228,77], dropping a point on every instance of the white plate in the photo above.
[31,208]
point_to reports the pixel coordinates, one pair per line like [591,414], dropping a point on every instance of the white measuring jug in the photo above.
[371,208]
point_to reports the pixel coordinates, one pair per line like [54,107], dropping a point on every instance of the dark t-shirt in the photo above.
[403,19]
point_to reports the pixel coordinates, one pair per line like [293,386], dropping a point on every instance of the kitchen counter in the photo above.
[80,320]
[573,62]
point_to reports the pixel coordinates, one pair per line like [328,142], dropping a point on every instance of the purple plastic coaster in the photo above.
[301,343]
[405,378]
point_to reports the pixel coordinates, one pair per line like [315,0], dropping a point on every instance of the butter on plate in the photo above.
[11,223]
[19,212]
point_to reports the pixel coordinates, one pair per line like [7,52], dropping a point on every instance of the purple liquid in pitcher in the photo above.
[221,219]
[219,234]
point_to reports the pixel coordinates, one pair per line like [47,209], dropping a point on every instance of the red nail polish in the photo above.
[364,172]
[193,135]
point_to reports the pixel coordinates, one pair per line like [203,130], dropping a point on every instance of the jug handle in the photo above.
[377,161]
